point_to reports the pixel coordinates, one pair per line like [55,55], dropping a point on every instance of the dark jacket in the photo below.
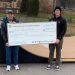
[61,26]
[4,28]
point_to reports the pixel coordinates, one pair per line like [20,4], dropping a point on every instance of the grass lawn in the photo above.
[70,29]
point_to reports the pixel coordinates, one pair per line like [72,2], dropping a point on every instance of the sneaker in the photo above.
[16,67]
[8,68]
[57,68]
[48,67]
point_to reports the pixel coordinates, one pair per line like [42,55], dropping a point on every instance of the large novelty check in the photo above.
[31,33]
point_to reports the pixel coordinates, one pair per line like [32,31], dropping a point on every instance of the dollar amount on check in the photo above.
[31,33]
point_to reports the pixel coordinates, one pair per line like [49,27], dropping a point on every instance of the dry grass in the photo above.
[70,30]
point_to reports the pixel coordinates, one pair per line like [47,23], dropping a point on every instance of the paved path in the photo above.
[39,69]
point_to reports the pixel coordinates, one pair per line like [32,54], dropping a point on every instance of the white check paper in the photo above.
[31,33]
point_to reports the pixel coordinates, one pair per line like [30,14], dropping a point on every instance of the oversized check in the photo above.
[31,33]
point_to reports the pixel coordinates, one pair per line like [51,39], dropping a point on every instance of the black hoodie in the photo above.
[61,25]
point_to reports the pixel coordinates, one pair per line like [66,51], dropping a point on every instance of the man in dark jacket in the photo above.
[9,49]
[61,30]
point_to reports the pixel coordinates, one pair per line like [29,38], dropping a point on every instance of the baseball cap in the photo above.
[9,11]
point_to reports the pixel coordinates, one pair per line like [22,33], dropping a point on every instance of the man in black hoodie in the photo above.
[61,30]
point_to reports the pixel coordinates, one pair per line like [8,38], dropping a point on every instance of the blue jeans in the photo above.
[9,51]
